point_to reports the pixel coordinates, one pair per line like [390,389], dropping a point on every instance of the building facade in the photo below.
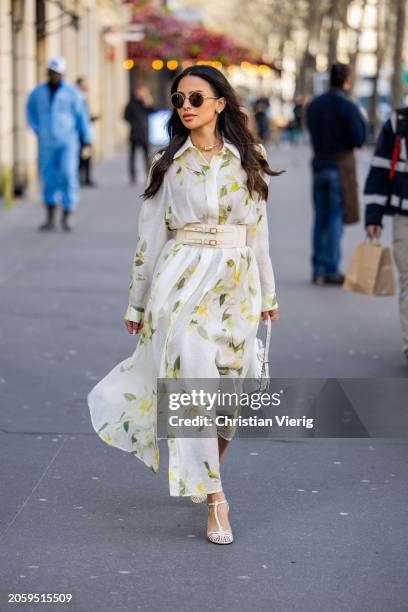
[32,31]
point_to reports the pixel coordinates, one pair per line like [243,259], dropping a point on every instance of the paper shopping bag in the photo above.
[370,270]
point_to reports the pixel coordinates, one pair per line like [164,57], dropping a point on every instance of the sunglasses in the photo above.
[196,99]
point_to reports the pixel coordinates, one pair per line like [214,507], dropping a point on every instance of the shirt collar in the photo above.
[188,144]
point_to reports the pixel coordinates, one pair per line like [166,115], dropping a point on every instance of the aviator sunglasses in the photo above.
[196,99]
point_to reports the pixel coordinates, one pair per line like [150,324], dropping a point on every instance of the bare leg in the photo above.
[211,497]
[222,446]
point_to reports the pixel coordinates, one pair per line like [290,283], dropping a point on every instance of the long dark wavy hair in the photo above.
[232,124]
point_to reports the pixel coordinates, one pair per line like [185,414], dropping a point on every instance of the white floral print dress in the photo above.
[201,309]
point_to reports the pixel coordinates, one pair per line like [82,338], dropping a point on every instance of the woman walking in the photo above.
[201,279]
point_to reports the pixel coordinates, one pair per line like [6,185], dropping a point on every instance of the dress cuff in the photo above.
[134,313]
[269,302]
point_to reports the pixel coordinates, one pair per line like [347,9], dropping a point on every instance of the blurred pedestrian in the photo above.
[296,125]
[136,114]
[56,113]
[336,127]
[85,153]
[261,107]
[386,193]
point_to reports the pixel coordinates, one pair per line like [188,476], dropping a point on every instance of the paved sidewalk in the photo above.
[319,524]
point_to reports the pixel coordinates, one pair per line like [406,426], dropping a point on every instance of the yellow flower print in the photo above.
[171,476]
[244,308]
[107,438]
[146,405]
[237,276]
[202,310]
[200,487]
[237,363]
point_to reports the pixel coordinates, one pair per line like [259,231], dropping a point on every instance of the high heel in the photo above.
[198,499]
[222,536]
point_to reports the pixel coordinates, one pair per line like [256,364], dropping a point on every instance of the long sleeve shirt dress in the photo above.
[200,306]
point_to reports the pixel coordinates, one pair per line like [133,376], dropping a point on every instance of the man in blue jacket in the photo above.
[336,126]
[386,193]
[56,113]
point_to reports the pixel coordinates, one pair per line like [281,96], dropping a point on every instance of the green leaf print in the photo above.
[249,259]
[126,426]
[143,246]
[234,186]
[230,263]
[182,487]
[176,305]
[103,427]
[223,370]
[222,298]
[181,282]
[178,170]
[252,290]
[210,472]
[202,332]
[205,168]
[176,365]
[134,439]
[129,396]
[226,315]
[223,191]
[237,347]
[225,164]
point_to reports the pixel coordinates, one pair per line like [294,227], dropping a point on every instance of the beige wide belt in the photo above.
[211,235]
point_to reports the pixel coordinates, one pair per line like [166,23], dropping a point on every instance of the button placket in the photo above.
[211,188]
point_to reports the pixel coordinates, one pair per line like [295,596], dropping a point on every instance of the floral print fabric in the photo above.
[201,309]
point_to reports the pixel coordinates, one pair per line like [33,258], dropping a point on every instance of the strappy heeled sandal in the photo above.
[198,499]
[222,536]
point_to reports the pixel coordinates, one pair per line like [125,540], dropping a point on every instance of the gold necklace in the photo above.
[208,147]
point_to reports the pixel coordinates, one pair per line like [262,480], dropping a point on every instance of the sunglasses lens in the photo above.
[196,99]
[177,99]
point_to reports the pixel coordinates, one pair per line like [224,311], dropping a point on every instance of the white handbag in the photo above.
[259,365]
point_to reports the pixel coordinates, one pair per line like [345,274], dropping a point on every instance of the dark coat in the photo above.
[381,196]
[136,114]
[335,125]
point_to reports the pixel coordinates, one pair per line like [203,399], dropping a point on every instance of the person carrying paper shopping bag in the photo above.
[386,193]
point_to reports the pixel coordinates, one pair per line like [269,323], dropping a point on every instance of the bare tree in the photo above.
[307,65]
[383,29]
[396,82]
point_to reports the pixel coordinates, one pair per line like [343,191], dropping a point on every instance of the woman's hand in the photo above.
[132,327]
[273,315]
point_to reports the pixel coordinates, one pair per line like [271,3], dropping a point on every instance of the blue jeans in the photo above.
[328,222]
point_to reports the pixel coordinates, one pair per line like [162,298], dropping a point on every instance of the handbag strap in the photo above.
[268,323]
